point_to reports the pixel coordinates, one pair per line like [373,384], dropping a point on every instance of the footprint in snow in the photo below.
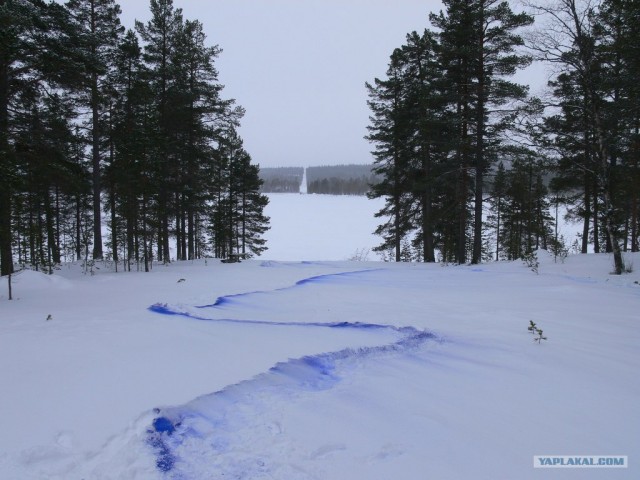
[388,451]
[326,450]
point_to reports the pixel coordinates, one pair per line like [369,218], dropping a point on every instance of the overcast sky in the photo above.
[298,67]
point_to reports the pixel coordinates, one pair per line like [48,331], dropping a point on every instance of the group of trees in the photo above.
[340,186]
[466,156]
[281,179]
[340,179]
[96,120]
[353,179]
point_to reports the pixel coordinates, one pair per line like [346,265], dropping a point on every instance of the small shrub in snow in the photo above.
[88,267]
[530,259]
[360,255]
[575,246]
[539,337]
[109,264]
[406,253]
[537,332]
[386,255]
[559,249]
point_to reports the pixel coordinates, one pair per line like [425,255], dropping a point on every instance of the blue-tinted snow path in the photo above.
[228,299]
[203,430]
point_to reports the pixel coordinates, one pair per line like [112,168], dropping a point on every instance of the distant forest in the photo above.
[281,179]
[329,180]
[340,179]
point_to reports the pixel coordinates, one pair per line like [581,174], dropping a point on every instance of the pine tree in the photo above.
[204,116]
[99,25]
[616,30]
[571,139]
[480,42]
[9,40]
[237,219]
[431,125]
[458,54]
[251,223]
[389,132]
[496,205]
[571,42]
[160,39]
[526,223]
[37,51]
[129,175]
[50,175]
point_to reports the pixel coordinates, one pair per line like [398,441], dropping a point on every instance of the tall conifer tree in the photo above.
[480,42]
[389,132]
[37,49]
[98,22]
[160,38]
[571,41]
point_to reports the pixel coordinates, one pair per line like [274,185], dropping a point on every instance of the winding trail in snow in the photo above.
[203,430]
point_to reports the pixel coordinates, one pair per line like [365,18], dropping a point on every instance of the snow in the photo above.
[321,227]
[319,369]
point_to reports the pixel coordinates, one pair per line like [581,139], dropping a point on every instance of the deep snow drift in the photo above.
[336,370]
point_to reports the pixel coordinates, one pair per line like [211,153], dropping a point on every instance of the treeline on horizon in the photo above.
[127,126]
[281,179]
[352,179]
[446,120]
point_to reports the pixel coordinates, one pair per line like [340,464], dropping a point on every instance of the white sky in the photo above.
[298,67]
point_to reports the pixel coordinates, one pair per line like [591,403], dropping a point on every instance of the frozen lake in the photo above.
[320,227]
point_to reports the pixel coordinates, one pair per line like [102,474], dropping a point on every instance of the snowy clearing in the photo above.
[321,227]
[335,370]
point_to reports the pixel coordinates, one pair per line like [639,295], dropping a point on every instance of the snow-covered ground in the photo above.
[319,370]
[321,227]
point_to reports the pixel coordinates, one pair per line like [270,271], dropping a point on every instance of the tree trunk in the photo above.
[131,243]
[634,223]
[462,216]
[587,214]
[604,157]
[78,228]
[427,228]
[52,246]
[145,240]
[178,215]
[95,148]
[114,226]
[596,220]
[498,230]
[634,200]
[476,256]
[464,107]
[396,206]
[6,257]
[190,240]
[244,222]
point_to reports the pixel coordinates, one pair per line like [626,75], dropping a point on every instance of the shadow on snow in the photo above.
[207,420]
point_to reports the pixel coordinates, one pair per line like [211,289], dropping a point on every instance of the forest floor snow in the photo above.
[319,370]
